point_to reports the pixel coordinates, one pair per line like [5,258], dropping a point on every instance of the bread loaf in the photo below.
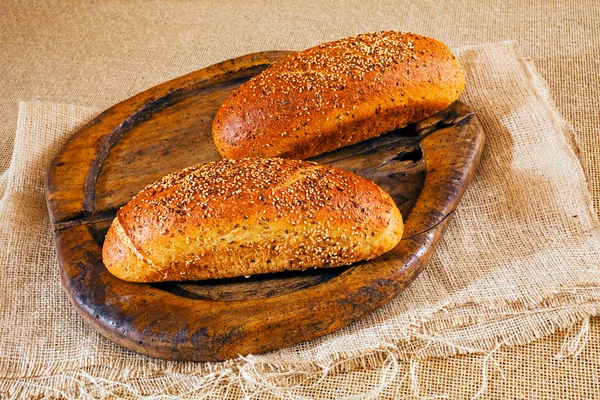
[337,94]
[251,216]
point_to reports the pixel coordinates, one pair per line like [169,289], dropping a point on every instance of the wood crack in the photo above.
[86,219]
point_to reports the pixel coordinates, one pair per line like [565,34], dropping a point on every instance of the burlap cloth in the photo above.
[519,262]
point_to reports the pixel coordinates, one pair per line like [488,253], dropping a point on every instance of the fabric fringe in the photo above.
[257,377]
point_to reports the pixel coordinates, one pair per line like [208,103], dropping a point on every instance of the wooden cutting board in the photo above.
[426,167]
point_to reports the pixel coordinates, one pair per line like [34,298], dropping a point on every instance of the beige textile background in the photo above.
[91,54]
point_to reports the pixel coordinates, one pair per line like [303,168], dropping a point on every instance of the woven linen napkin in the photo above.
[519,261]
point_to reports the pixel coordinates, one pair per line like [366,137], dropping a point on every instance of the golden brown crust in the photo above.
[251,216]
[337,94]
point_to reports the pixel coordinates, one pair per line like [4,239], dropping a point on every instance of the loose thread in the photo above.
[572,347]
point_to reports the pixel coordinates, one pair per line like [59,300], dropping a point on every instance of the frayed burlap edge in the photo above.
[253,377]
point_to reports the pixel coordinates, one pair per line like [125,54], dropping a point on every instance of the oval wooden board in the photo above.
[425,167]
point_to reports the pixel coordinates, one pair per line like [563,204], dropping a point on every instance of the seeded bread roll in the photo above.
[337,94]
[251,216]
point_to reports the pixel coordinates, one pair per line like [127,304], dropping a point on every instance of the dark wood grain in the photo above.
[425,167]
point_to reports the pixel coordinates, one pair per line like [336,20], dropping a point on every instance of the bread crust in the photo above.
[337,94]
[238,218]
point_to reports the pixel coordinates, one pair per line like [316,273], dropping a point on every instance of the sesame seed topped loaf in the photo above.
[237,218]
[337,94]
